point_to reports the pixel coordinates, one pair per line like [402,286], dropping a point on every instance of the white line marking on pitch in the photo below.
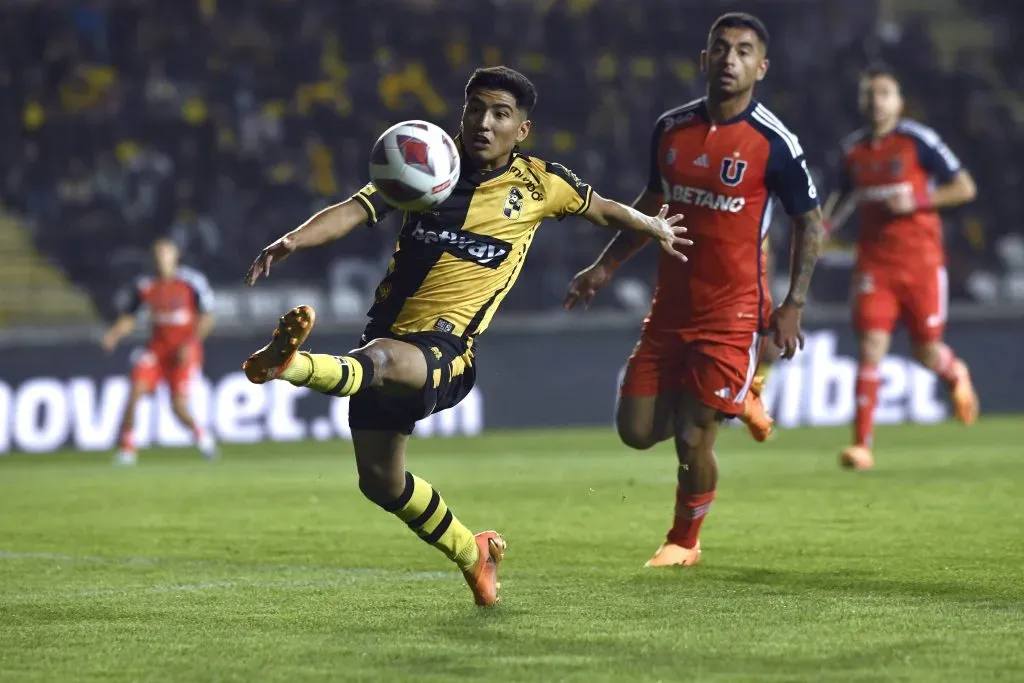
[173,588]
[208,564]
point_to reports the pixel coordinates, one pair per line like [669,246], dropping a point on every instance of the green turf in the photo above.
[269,566]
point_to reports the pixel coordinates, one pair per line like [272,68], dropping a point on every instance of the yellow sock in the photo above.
[334,375]
[425,512]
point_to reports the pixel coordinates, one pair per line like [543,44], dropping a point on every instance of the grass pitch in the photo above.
[269,566]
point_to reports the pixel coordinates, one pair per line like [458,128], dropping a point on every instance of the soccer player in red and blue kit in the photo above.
[899,174]
[180,303]
[721,160]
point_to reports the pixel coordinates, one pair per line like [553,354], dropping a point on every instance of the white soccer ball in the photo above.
[414,165]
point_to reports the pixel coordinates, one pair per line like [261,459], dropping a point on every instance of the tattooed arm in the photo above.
[808,239]
[807,242]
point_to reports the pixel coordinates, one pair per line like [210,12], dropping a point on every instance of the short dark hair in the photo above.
[509,80]
[875,69]
[740,20]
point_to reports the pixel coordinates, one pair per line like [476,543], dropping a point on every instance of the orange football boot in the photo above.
[857,458]
[293,329]
[483,579]
[672,555]
[754,415]
[965,398]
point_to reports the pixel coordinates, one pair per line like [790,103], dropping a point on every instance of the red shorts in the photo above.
[716,368]
[151,365]
[916,297]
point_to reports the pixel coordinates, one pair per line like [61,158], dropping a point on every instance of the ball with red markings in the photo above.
[414,165]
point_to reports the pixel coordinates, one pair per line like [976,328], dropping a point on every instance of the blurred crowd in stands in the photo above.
[223,123]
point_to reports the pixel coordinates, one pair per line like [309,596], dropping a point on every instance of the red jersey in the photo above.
[174,306]
[724,178]
[909,159]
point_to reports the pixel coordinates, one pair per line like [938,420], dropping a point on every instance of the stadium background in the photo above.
[223,123]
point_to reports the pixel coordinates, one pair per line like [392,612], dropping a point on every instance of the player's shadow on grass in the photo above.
[863,583]
[511,635]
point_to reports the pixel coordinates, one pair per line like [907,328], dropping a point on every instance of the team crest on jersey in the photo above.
[670,156]
[896,167]
[732,171]
[513,204]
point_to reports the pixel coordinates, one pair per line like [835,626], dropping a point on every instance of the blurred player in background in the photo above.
[899,174]
[722,160]
[417,353]
[180,304]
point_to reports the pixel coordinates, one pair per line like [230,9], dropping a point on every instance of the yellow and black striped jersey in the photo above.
[454,264]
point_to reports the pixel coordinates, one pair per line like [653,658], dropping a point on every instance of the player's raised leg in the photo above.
[383,363]
[383,479]
[926,312]
[938,357]
[755,415]
[645,411]
[385,367]
[696,428]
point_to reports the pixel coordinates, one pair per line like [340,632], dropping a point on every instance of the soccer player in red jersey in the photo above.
[721,160]
[180,304]
[899,174]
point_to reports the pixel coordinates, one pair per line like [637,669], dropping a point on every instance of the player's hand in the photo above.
[786,326]
[272,253]
[669,233]
[901,204]
[109,341]
[585,285]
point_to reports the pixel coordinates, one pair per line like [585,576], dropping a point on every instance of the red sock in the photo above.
[127,441]
[691,508]
[868,382]
[946,368]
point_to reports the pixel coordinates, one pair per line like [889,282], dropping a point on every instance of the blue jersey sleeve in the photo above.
[786,176]
[789,179]
[935,157]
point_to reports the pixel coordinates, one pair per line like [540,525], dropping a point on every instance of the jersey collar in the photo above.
[743,115]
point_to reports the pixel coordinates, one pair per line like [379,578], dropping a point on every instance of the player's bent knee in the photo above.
[873,347]
[376,489]
[928,353]
[395,361]
[637,439]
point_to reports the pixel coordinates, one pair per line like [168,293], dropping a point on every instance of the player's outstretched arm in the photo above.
[961,190]
[121,328]
[661,227]
[808,241]
[205,326]
[636,227]
[326,226]
[838,209]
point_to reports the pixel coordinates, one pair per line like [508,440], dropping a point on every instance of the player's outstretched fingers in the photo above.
[674,219]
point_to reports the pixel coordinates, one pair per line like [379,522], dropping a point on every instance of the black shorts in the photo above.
[450,377]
